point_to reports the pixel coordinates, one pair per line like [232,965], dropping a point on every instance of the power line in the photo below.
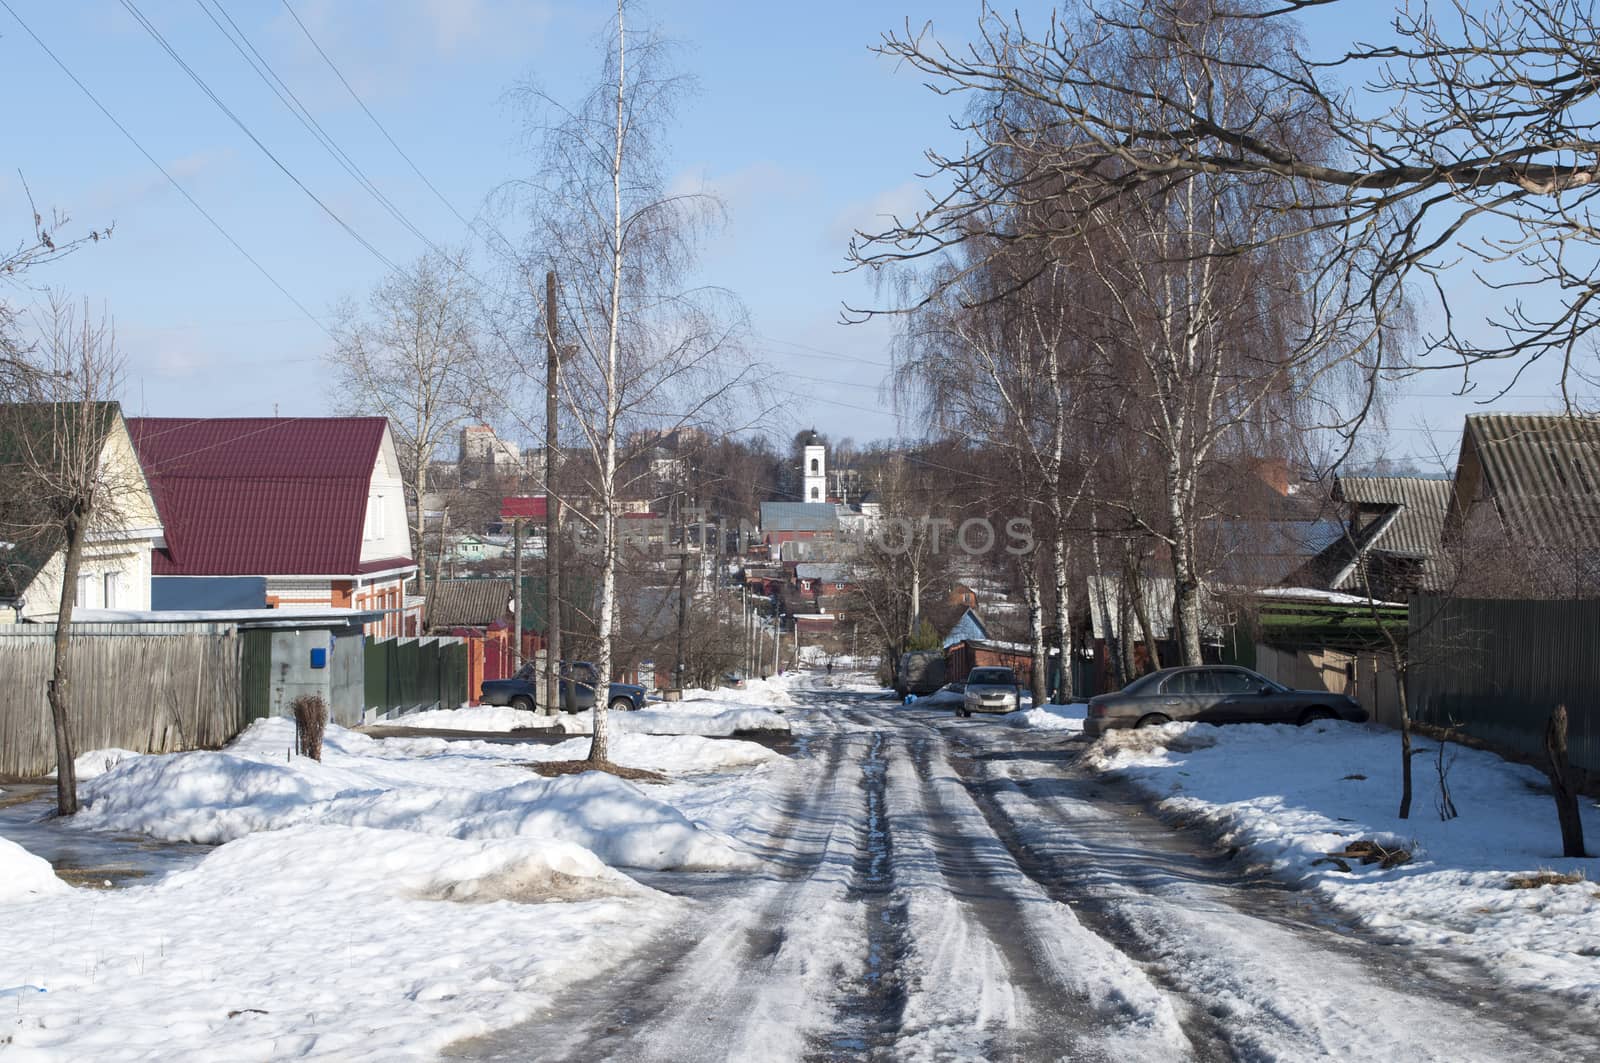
[215,224]
[149,27]
[471,226]
[263,69]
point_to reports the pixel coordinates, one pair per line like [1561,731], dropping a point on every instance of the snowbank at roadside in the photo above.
[487,718]
[677,755]
[426,786]
[708,717]
[1050,717]
[1290,796]
[24,876]
[326,942]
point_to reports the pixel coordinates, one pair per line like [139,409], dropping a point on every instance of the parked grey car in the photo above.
[990,690]
[1214,694]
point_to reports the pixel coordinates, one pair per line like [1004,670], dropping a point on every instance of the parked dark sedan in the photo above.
[525,689]
[1214,694]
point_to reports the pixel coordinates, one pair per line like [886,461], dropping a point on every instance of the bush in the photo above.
[310,721]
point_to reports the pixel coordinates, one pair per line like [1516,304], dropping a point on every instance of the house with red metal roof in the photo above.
[272,512]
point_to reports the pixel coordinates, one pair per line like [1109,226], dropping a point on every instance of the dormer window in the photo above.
[375,528]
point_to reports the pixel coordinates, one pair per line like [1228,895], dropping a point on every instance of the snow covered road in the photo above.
[936,888]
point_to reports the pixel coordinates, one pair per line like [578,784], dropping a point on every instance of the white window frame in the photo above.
[111,589]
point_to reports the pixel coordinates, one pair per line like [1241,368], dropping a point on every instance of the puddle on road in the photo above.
[92,859]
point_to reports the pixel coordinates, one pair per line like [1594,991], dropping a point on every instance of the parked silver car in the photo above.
[1214,694]
[990,690]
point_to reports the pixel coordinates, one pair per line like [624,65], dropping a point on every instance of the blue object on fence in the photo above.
[319,657]
[910,698]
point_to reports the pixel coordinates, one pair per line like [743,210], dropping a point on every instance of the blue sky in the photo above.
[803,131]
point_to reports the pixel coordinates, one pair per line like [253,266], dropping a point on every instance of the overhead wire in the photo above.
[354,95]
[286,95]
[173,181]
[244,127]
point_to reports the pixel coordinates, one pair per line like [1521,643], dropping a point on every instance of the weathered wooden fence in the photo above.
[405,674]
[1495,670]
[150,688]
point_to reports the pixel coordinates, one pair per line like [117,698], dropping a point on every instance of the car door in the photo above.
[1187,695]
[1242,699]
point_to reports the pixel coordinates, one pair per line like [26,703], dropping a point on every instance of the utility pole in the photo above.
[552,502]
[744,615]
[797,643]
[516,595]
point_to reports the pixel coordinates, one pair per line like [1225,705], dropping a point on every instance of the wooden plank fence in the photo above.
[1496,670]
[153,689]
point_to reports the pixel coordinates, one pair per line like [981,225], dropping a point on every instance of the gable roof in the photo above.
[259,496]
[1423,503]
[468,602]
[969,628]
[1542,471]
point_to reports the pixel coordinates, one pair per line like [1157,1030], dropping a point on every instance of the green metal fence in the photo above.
[410,674]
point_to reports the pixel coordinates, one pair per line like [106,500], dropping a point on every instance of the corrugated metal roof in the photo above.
[799,517]
[469,602]
[1424,501]
[259,496]
[1543,472]
[826,572]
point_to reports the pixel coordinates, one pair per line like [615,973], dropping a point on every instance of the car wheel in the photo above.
[1155,719]
[621,705]
[963,712]
[522,702]
[1313,715]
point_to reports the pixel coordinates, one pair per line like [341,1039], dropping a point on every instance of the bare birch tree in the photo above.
[645,347]
[413,355]
[60,487]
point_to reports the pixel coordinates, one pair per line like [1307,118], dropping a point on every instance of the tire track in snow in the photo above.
[747,975]
[867,1018]
[1269,985]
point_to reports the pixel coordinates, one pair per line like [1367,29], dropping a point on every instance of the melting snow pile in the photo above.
[1050,717]
[325,942]
[707,717]
[24,876]
[426,787]
[1289,797]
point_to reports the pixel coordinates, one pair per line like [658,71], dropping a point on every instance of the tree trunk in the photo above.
[1186,587]
[1104,604]
[59,691]
[1030,590]
[1141,608]
[1058,571]
[613,392]
[1562,785]
[552,505]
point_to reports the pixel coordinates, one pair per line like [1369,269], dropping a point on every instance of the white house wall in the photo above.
[130,558]
[384,533]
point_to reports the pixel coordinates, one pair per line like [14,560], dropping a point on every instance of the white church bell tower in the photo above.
[815,472]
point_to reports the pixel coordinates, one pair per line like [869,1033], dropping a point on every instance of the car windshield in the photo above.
[993,676]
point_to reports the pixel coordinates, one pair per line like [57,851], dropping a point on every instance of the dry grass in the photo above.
[1545,877]
[1367,852]
[552,768]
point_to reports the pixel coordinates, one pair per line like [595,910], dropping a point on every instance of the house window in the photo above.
[113,584]
[813,493]
[813,464]
[81,599]
[375,528]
